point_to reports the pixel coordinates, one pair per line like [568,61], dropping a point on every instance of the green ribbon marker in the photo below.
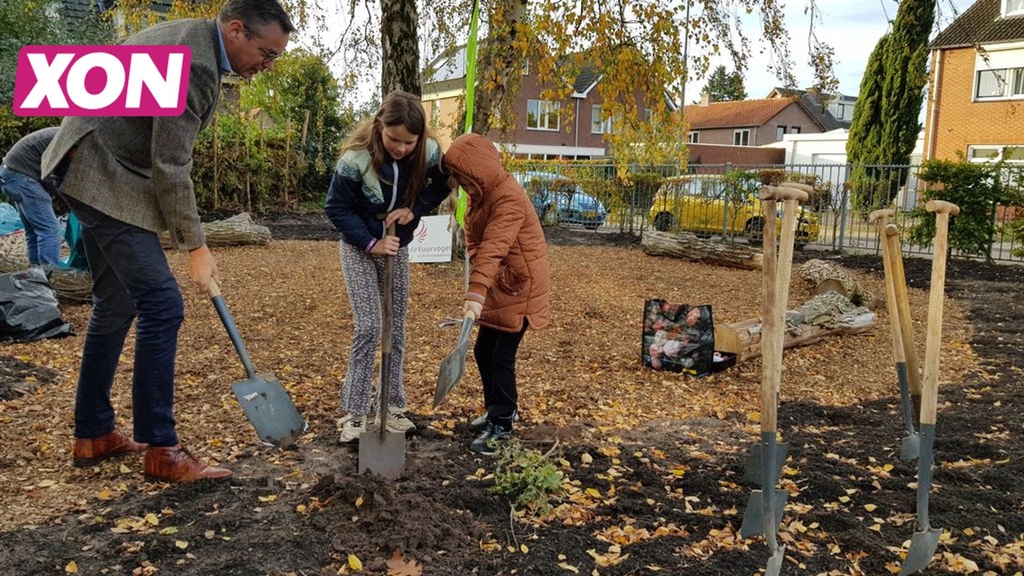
[461,202]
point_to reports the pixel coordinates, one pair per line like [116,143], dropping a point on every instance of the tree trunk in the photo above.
[829,277]
[688,246]
[824,315]
[400,47]
[499,72]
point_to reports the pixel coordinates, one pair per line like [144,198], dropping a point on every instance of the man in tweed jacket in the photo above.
[129,178]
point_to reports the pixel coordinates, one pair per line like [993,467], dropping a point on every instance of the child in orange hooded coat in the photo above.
[509,283]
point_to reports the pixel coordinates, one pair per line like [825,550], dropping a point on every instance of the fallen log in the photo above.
[237,230]
[828,277]
[825,315]
[690,247]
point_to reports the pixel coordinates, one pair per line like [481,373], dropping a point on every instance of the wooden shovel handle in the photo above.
[770,336]
[883,215]
[805,187]
[890,285]
[933,343]
[906,325]
[942,207]
[781,193]
[388,299]
[784,267]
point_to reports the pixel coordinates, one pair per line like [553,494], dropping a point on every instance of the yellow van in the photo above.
[709,204]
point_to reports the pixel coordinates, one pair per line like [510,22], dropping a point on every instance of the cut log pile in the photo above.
[237,230]
[828,314]
[828,277]
[13,253]
[690,247]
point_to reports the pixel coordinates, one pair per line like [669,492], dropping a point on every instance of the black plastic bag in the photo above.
[28,308]
[678,338]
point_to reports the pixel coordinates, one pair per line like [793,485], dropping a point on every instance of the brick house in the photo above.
[543,129]
[750,122]
[976,90]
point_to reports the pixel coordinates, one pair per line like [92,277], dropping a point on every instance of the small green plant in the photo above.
[527,477]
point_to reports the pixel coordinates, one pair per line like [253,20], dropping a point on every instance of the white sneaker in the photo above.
[397,421]
[351,427]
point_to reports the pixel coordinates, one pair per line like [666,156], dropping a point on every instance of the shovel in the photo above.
[454,366]
[380,451]
[269,408]
[894,283]
[784,265]
[911,447]
[765,506]
[926,538]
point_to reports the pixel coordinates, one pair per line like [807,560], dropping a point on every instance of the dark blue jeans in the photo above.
[495,352]
[35,207]
[131,280]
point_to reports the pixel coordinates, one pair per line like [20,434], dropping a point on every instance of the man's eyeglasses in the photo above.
[268,55]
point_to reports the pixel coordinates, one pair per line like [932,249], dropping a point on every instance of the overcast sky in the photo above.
[851,27]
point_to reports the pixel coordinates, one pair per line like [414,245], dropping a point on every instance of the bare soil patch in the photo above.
[652,460]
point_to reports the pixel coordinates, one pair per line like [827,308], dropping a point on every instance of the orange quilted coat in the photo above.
[508,254]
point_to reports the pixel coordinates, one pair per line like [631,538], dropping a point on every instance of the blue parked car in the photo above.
[557,199]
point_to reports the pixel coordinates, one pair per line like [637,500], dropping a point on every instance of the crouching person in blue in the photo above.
[33,196]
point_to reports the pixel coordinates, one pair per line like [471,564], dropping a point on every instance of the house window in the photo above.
[1013,154]
[1000,83]
[597,125]
[1013,7]
[435,114]
[794,129]
[693,137]
[741,137]
[991,153]
[780,131]
[542,115]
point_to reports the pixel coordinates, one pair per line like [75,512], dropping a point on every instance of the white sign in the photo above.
[432,241]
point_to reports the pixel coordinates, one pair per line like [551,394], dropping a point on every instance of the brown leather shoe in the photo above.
[175,464]
[90,451]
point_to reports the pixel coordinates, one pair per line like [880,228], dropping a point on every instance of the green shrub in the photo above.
[976,188]
[527,477]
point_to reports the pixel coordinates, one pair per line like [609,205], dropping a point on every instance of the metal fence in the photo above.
[719,201]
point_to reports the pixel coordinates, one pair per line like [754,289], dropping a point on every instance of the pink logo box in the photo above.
[102,80]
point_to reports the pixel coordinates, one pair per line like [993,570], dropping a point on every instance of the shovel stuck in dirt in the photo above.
[908,375]
[926,539]
[783,260]
[380,451]
[266,403]
[765,506]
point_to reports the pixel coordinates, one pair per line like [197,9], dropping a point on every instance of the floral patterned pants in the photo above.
[364,279]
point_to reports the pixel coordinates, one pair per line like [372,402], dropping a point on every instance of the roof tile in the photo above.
[980,24]
[738,113]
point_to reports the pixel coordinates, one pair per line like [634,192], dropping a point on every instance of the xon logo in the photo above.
[102,80]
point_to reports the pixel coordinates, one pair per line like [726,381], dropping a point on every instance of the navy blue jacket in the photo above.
[357,196]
